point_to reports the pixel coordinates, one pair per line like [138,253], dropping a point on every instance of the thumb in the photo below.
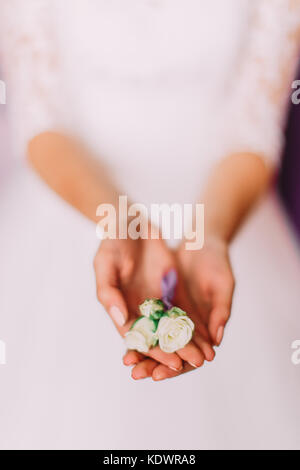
[220,314]
[112,300]
[217,322]
[108,292]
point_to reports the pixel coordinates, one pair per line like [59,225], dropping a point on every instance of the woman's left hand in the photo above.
[207,277]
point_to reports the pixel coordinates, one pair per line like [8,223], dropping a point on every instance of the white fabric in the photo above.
[233,50]
[159,89]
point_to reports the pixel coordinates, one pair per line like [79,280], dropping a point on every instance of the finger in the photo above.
[203,341]
[162,372]
[108,293]
[144,369]
[201,336]
[219,316]
[192,354]
[171,360]
[132,358]
[205,347]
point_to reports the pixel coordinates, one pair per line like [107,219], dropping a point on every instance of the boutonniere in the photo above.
[161,323]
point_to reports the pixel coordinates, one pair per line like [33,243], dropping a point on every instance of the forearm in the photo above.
[71,172]
[232,191]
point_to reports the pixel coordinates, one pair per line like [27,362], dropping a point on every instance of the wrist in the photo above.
[219,225]
[215,236]
[212,239]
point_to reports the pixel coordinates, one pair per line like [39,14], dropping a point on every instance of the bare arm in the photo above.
[233,189]
[72,172]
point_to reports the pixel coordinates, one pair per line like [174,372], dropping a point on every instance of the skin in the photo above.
[128,271]
[209,286]
[233,190]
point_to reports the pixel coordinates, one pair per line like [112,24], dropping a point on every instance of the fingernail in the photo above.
[117,316]
[158,377]
[128,364]
[177,369]
[193,365]
[141,377]
[220,334]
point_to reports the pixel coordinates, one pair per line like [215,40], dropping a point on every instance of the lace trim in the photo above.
[259,98]
[31,68]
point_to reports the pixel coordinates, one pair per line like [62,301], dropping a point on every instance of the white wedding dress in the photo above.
[160,90]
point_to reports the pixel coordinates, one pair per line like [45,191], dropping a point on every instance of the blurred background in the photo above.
[289,180]
[53,394]
[288,183]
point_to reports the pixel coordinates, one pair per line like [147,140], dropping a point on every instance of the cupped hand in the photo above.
[127,272]
[208,282]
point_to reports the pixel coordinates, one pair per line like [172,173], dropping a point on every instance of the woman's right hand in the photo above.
[127,272]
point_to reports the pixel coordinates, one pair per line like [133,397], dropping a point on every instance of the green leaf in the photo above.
[157,315]
[135,322]
[176,311]
[155,324]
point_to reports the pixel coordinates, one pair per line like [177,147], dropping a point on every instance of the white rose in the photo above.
[142,335]
[137,341]
[153,307]
[174,332]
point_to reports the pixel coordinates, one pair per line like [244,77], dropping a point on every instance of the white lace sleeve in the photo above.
[28,57]
[261,91]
